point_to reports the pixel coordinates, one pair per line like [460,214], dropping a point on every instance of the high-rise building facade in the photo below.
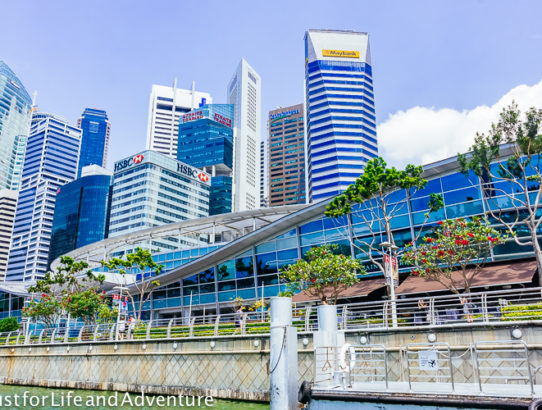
[286,158]
[15,107]
[244,92]
[263,175]
[8,205]
[152,189]
[340,113]
[50,162]
[81,214]
[206,142]
[165,106]
[95,142]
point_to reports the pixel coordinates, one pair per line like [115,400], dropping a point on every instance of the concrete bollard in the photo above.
[283,356]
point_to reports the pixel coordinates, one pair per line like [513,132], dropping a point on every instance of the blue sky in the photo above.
[439,55]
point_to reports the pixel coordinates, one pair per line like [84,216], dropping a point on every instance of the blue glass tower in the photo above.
[50,161]
[95,142]
[206,142]
[15,106]
[340,114]
[81,212]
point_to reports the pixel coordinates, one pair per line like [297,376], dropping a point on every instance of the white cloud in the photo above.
[422,135]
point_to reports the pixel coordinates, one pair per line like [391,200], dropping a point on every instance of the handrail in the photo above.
[483,308]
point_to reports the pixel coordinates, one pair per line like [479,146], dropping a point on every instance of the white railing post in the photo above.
[41,335]
[7,338]
[18,336]
[28,337]
[80,337]
[191,328]
[243,324]
[149,326]
[217,324]
[385,314]
[169,326]
[432,316]
[67,332]
[95,333]
[307,318]
[53,336]
[485,312]
[113,327]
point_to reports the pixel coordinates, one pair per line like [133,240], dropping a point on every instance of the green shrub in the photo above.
[9,324]
[522,312]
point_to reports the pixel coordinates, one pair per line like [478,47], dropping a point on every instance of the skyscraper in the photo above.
[286,158]
[151,189]
[244,92]
[51,161]
[263,175]
[95,142]
[339,103]
[165,106]
[8,205]
[81,214]
[206,142]
[15,106]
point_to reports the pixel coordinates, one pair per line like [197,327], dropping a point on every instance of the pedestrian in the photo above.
[467,309]
[121,328]
[238,318]
[324,300]
[132,327]
[421,314]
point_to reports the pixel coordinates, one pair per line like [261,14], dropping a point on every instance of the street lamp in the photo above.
[389,277]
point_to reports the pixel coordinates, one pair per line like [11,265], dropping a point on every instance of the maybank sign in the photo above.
[340,53]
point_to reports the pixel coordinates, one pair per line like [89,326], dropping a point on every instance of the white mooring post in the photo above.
[283,356]
[328,340]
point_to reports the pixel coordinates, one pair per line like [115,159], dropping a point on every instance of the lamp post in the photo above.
[388,246]
[120,288]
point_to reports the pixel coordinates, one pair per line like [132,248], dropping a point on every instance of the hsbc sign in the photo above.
[125,163]
[192,172]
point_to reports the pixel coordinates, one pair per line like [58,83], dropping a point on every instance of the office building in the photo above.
[50,162]
[340,113]
[263,176]
[165,106]
[8,205]
[81,214]
[206,142]
[151,189]
[286,158]
[244,92]
[15,107]
[95,142]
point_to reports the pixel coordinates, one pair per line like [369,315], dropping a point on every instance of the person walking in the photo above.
[131,323]
[121,328]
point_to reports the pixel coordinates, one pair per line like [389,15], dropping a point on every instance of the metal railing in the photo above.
[501,367]
[474,308]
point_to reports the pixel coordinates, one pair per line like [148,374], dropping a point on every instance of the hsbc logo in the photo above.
[119,166]
[192,172]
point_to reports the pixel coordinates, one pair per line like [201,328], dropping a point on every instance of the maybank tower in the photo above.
[340,113]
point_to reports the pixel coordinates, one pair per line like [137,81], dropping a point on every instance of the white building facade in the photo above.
[150,189]
[244,91]
[340,114]
[165,106]
[8,205]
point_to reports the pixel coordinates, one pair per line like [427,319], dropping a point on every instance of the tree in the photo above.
[85,305]
[324,273]
[455,245]
[374,200]
[70,277]
[9,324]
[144,283]
[507,162]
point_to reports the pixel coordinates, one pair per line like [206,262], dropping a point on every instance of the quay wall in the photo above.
[225,367]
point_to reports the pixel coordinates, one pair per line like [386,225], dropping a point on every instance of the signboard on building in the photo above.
[283,114]
[125,163]
[193,116]
[340,53]
[222,120]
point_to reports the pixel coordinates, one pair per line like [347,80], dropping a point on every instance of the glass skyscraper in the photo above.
[206,142]
[50,162]
[81,212]
[339,103]
[151,189]
[15,106]
[95,142]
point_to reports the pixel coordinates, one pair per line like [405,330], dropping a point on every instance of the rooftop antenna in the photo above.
[34,98]
[193,94]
